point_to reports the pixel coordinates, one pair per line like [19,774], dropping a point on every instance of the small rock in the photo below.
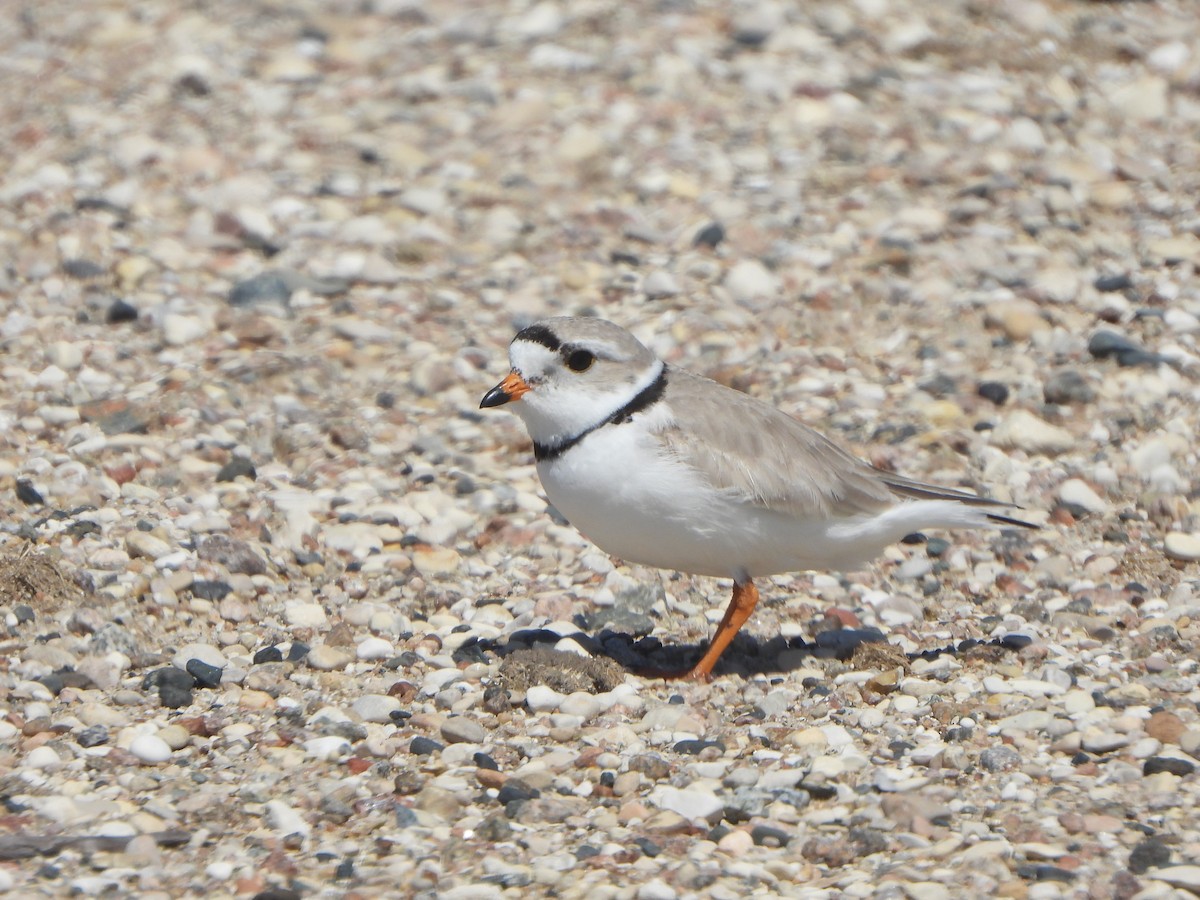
[461,730]
[1022,430]
[1186,877]
[710,235]
[659,284]
[1108,344]
[267,290]
[206,676]
[376,707]
[325,658]
[994,391]
[374,648]
[424,746]
[305,615]
[1067,387]
[1149,853]
[691,803]
[1000,758]
[749,280]
[150,749]
[1182,546]
[1171,764]
[236,556]
[1077,492]
[1165,726]
[145,545]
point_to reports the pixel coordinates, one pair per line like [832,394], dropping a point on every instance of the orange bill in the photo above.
[513,387]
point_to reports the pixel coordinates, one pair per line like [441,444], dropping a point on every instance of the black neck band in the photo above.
[644,398]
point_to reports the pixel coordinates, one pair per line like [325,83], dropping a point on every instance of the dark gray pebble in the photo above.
[423,746]
[207,676]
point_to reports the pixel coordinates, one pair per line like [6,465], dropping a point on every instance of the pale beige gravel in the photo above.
[915,197]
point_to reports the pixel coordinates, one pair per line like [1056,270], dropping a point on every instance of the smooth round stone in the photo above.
[176,737]
[540,698]
[1182,546]
[581,704]
[285,820]
[180,330]
[150,749]
[1096,741]
[436,560]
[43,758]
[657,889]
[327,747]
[325,658]
[376,707]
[749,279]
[305,615]
[1022,430]
[145,545]
[1077,492]
[659,284]
[1187,877]
[461,730]
[374,648]
[691,803]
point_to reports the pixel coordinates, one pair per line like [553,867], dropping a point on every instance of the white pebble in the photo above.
[305,615]
[375,648]
[285,820]
[43,758]
[328,747]
[150,749]
[540,698]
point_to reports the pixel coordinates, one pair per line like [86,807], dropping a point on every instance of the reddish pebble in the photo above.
[1165,726]
[490,778]
[844,617]
[357,765]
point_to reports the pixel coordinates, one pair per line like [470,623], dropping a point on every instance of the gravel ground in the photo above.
[286,615]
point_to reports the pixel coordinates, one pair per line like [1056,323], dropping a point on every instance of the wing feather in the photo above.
[769,459]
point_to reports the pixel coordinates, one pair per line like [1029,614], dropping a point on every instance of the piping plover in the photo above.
[658,466]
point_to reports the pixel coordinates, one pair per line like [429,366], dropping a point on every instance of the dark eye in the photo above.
[580,360]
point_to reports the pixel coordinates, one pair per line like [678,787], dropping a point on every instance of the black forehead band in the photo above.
[539,334]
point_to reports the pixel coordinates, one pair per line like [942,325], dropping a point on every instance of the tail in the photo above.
[917,490]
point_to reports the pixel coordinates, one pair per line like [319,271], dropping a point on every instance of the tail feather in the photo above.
[1009,520]
[918,490]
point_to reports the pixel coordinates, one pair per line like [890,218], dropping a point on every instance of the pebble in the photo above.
[1077,492]
[374,648]
[1022,430]
[305,615]
[749,280]
[1067,387]
[461,730]
[376,707]
[660,284]
[1185,876]
[1183,546]
[691,803]
[325,658]
[150,749]
[141,544]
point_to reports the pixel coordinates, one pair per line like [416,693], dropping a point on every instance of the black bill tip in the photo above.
[497,396]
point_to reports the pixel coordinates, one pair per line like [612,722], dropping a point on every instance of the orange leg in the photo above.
[741,605]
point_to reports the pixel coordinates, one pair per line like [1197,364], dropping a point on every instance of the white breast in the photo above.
[643,506]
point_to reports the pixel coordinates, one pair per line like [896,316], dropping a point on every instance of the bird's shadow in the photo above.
[746,656]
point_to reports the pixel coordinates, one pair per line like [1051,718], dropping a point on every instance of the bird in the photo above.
[658,466]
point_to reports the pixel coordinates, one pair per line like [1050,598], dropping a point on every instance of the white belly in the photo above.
[646,508]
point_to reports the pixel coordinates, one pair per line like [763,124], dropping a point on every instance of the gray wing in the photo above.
[769,459]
